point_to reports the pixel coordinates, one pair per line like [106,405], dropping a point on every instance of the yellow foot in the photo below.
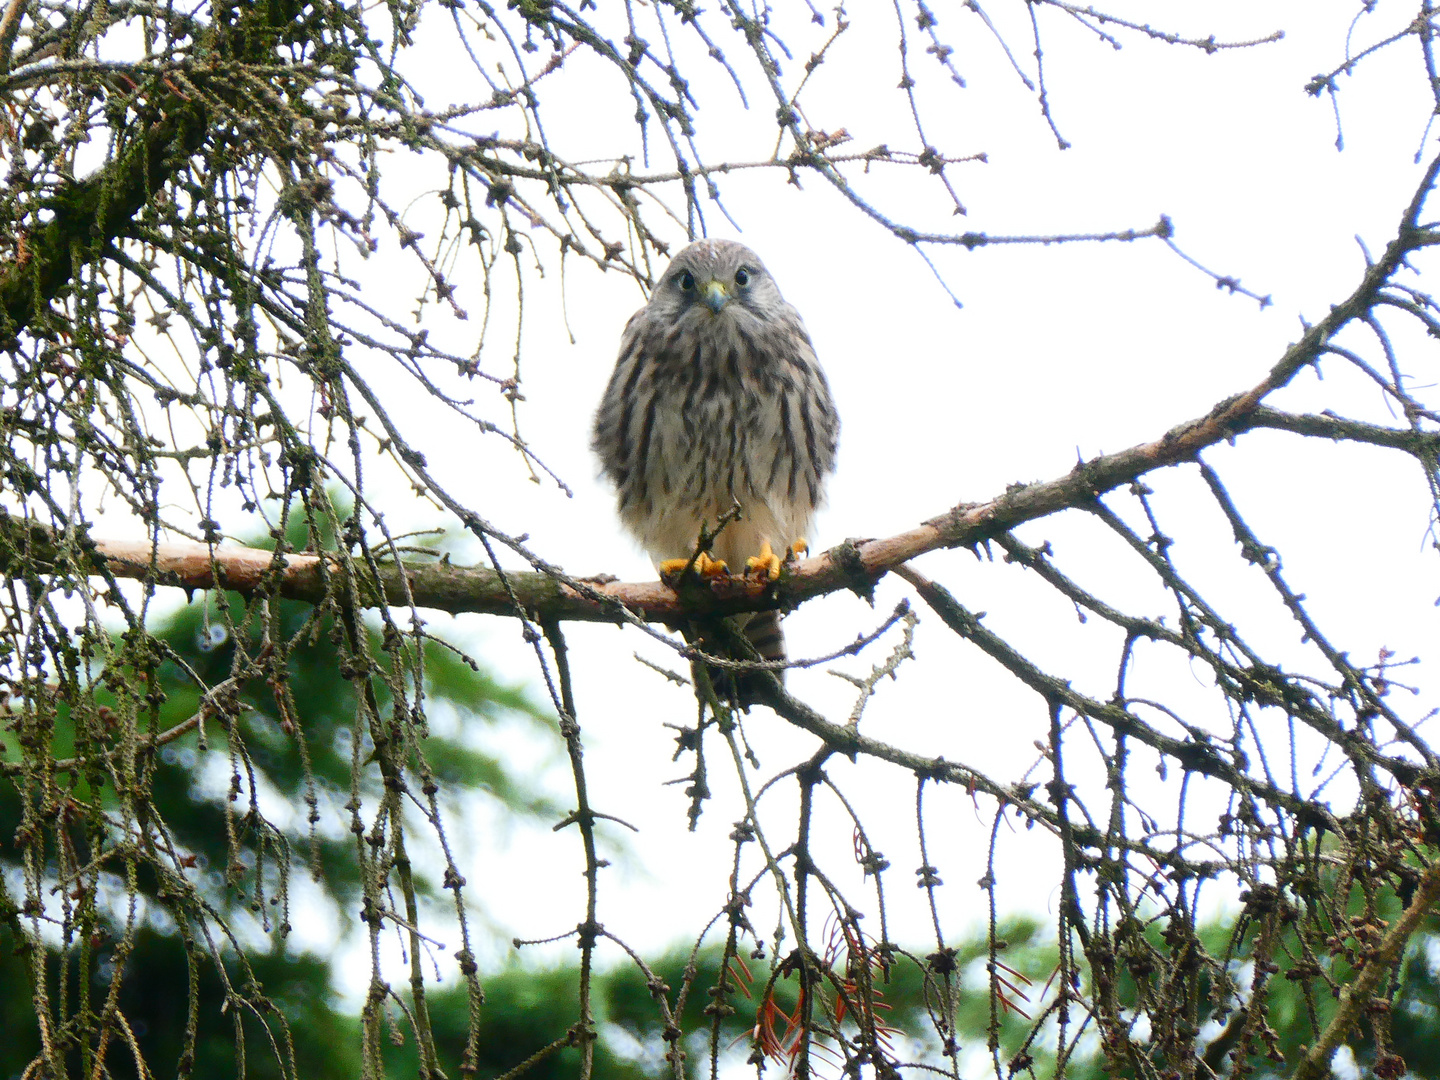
[765,565]
[705,566]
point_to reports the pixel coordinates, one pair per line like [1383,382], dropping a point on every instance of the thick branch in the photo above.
[91,213]
[87,216]
[550,595]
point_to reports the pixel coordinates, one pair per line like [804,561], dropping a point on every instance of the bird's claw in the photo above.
[766,565]
[703,564]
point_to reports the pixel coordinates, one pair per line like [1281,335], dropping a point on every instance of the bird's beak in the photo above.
[714,295]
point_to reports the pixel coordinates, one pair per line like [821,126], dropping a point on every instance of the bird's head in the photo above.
[712,278]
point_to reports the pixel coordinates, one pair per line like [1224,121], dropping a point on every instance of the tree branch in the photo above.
[551,595]
[1422,444]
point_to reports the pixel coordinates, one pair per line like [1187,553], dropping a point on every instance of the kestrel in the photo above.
[717,399]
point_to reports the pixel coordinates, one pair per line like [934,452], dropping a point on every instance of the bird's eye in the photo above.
[687,281]
[742,277]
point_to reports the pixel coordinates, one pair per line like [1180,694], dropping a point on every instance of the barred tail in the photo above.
[762,631]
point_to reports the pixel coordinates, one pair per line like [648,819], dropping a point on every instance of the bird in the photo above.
[717,400]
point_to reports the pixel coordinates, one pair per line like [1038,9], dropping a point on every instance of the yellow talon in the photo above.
[766,564]
[798,547]
[705,566]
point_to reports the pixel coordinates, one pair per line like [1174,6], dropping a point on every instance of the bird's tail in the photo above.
[763,631]
[746,688]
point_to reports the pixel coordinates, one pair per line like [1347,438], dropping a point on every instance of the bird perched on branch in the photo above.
[717,400]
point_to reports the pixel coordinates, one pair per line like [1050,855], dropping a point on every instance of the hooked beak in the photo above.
[714,295]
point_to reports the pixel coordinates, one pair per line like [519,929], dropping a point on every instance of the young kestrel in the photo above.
[717,398]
